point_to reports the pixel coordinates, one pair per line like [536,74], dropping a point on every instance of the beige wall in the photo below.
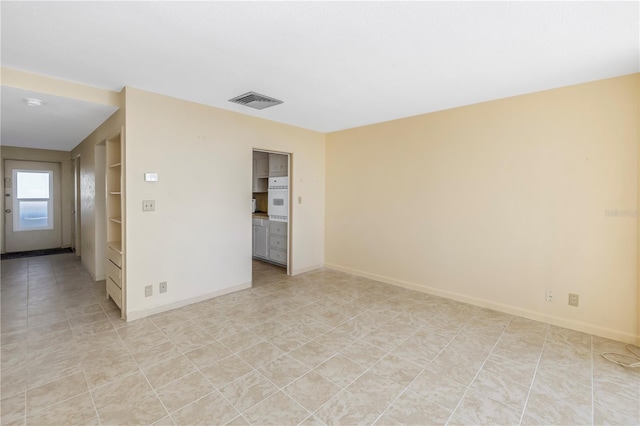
[66,178]
[91,246]
[496,202]
[199,237]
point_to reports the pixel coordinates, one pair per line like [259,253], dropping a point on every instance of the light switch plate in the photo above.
[148,205]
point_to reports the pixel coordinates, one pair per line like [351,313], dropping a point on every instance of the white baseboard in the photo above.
[513,310]
[134,315]
[307,269]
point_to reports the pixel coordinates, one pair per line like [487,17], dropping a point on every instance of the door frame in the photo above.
[56,203]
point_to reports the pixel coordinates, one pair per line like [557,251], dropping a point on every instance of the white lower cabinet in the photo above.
[278,256]
[278,242]
[270,240]
[261,238]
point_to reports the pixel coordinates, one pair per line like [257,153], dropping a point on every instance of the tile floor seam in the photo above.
[533,379]
[170,413]
[215,388]
[476,375]
[146,379]
[27,348]
[407,387]
[351,382]
[93,401]
[280,389]
[48,383]
[369,369]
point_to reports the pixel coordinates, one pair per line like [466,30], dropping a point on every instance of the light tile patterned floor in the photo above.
[321,348]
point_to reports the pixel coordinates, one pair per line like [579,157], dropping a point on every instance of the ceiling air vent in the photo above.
[255,100]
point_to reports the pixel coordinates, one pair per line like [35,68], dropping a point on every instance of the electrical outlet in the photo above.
[148,291]
[574,299]
[148,205]
[163,287]
[549,295]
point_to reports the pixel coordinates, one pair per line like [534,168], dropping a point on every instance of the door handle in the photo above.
[7,211]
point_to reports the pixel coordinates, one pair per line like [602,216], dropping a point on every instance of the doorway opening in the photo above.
[271,215]
[76,211]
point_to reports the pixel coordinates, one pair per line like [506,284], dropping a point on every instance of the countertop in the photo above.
[260,215]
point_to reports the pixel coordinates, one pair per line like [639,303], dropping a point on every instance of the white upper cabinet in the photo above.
[262,167]
[260,171]
[278,165]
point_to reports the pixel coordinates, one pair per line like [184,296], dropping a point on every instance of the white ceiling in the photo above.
[60,123]
[335,65]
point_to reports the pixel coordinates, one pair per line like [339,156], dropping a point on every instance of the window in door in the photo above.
[33,207]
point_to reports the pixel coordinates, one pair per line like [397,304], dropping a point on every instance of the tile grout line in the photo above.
[215,389]
[253,369]
[26,386]
[139,370]
[339,352]
[389,353]
[26,346]
[83,368]
[84,374]
[406,387]
[93,401]
[280,389]
[235,353]
[535,373]
[477,373]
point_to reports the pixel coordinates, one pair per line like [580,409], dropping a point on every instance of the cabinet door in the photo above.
[261,241]
[255,175]
[260,174]
[254,231]
[262,167]
[278,165]
[278,228]
[278,241]
[279,256]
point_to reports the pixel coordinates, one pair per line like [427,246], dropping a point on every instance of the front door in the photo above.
[32,205]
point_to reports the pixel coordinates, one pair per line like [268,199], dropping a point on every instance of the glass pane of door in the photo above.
[32,185]
[33,215]
[33,203]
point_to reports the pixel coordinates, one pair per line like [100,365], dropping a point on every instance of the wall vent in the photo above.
[255,100]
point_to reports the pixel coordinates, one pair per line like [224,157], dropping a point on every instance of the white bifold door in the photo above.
[32,205]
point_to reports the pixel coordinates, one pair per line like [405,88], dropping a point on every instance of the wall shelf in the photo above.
[116,282]
[115,245]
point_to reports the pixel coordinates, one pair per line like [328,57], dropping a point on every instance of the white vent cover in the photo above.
[255,100]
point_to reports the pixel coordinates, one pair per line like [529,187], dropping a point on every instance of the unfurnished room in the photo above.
[320,213]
